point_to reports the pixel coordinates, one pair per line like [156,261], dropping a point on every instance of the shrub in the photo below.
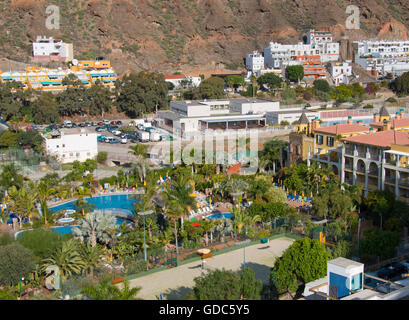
[41,241]
[15,263]
[102,157]
[368,106]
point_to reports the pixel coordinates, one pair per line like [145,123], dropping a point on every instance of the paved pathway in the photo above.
[175,283]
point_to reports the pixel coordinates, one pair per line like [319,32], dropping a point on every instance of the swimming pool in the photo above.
[118,203]
[63,230]
[121,203]
[218,216]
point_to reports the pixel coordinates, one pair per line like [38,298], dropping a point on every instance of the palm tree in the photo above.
[22,201]
[95,227]
[175,212]
[105,290]
[273,152]
[207,226]
[140,151]
[66,258]
[44,192]
[180,190]
[91,256]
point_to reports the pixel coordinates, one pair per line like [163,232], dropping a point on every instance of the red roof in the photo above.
[340,113]
[343,128]
[234,169]
[399,123]
[382,138]
[174,76]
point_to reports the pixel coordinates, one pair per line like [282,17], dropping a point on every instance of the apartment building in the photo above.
[50,49]
[278,55]
[340,72]
[375,157]
[45,79]
[382,57]
[254,62]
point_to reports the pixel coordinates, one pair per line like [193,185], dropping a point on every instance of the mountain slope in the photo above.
[188,35]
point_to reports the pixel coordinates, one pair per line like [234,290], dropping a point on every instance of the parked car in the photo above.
[74,125]
[114,123]
[114,140]
[101,138]
[100,123]
[81,125]
[116,132]
[106,121]
[68,125]
[94,123]
[124,140]
[100,129]
[88,124]
[119,123]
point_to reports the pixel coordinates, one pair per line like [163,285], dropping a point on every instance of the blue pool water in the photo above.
[123,203]
[218,216]
[63,230]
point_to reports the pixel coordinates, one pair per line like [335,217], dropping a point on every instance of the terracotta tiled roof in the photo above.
[174,76]
[343,128]
[399,123]
[377,124]
[381,138]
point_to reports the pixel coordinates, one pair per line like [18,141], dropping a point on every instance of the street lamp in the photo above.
[235,194]
[145,213]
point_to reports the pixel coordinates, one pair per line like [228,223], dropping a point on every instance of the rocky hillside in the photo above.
[188,35]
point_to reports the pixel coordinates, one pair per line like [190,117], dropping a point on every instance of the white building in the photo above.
[340,72]
[69,147]
[382,57]
[346,280]
[323,40]
[182,81]
[276,117]
[193,116]
[254,62]
[276,55]
[49,49]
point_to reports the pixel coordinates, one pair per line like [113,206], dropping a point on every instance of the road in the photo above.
[175,283]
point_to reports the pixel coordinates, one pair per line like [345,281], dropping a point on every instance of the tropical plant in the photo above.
[94,227]
[105,290]
[66,258]
[91,256]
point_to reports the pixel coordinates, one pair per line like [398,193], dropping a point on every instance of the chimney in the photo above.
[397,117]
[402,113]
[376,117]
[349,120]
[317,123]
[387,125]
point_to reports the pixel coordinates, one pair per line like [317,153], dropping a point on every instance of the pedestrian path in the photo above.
[175,283]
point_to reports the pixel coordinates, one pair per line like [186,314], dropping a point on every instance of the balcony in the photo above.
[403,183]
[390,180]
[348,165]
[349,151]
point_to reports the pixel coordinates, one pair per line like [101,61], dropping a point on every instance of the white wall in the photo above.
[71,147]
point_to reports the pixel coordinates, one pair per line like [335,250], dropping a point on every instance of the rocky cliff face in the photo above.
[189,35]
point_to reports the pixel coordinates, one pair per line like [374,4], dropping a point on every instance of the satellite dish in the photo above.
[74,62]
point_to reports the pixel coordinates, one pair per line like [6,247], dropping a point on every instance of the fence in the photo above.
[136,266]
[26,160]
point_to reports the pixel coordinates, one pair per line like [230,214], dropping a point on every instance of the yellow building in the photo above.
[39,78]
